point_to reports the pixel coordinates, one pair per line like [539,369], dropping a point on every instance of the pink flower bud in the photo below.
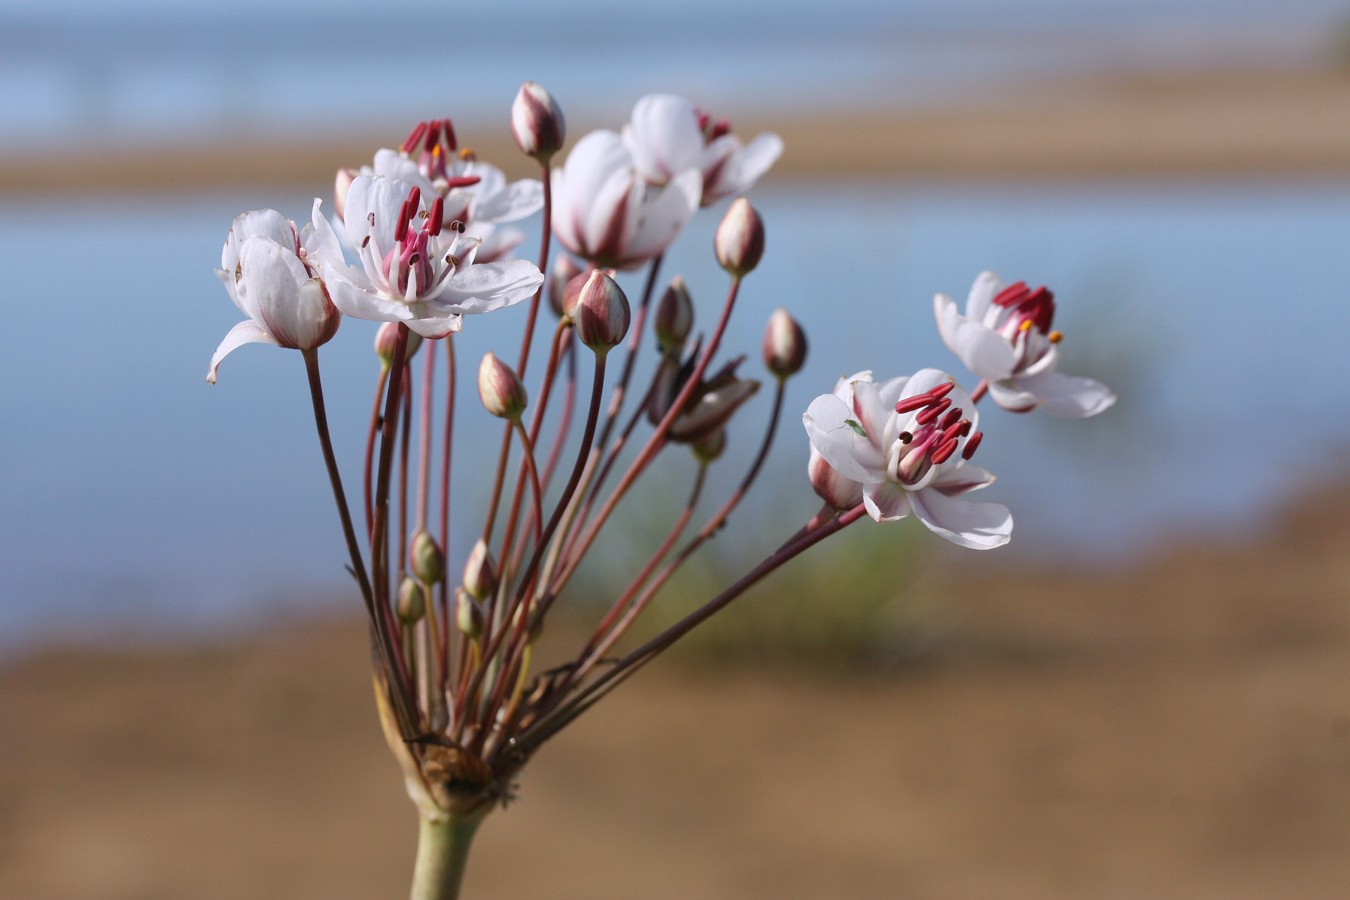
[537,122]
[571,293]
[425,558]
[739,241]
[674,317]
[480,572]
[500,389]
[784,344]
[830,486]
[564,270]
[386,338]
[601,313]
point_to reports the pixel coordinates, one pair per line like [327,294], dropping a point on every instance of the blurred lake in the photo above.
[136,499]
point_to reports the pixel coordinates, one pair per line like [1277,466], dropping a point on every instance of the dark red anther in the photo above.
[450,140]
[930,415]
[944,451]
[401,226]
[433,136]
[972,444]
[1012,295]
[964,428]
[942,390]
[462,181]
[436,216]
[414,200]
[918,401]
[905,437]
[951,418]
[415,138]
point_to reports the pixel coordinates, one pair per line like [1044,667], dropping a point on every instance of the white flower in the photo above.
[1005,337]
[606,213]
[911,460]
[476,194]
[668,134]
[267,271]
[412,269]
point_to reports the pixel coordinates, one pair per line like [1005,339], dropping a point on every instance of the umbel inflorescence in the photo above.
[420,239]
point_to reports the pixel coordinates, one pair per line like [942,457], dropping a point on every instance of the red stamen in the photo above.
[433,135]
[942,390]
[951,418]
[964,428]
[414,200]
[944,451]
[437,216]
[972,443]
[1012,295]
[462,181]
[415,138]
[918,401]
[905,437]
[930,415]
[401,226]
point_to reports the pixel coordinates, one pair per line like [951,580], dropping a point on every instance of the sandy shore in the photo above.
[1203,125]
[1182,730]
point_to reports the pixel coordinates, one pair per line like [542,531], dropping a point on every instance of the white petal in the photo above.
[354,301]
[436,326]
[664,137]
[484,287]
[961,479]
[1009,396]
[1068,396]
[246,332]
[984,352]
[872,413]
[272,284]
[982,294]
[321,241]
[663,217]
[831,427]
[515,201]
[887,501]
[979,526]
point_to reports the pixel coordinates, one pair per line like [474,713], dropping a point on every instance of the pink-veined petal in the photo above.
[984,352]
[979,526]
[484,287]
[962,479]
[664,137]
[664,217]
[1068,396]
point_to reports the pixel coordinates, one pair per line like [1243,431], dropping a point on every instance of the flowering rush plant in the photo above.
[418,242]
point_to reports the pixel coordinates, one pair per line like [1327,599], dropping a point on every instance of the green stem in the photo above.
[442,854]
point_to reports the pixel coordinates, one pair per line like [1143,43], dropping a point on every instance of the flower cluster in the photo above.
[419,238]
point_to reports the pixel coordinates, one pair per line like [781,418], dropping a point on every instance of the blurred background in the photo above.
[1142,695]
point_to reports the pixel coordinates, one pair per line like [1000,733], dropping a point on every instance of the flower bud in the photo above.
[711,446]
[674,317]
[480,572]
[601,313]
[412,601]
[560,284]
[830,486]
[784,344]
[537,122]
[739,241]
[500,388]
[426,559]
[468,614]
[386,338]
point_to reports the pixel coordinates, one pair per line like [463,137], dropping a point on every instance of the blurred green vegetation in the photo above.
[849,603]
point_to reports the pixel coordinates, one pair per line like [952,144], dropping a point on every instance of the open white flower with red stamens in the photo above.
[668,135]
[1005,337]
[907,442]
[268,272]
[412,269]
[475,194]
[606,213]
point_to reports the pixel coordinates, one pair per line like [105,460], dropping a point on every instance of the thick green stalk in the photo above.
[443,853]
